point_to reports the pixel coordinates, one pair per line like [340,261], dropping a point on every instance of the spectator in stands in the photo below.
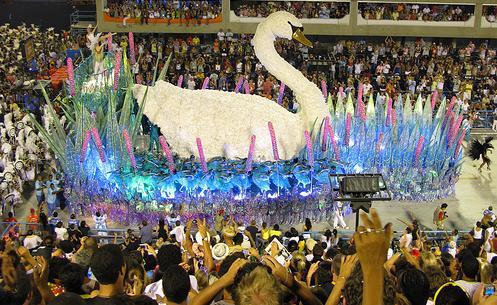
[31,240]
[146,232]
[107,264]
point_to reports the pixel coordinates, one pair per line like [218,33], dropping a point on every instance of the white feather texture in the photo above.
[225,121]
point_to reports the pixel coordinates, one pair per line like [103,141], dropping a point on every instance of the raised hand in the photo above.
[202,228]
[229,277]
[9,273]
[347,265]
[189,225]
[372,240]
[40,274]
[278,270]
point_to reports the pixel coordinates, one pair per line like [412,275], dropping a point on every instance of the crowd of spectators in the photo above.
[23,156]
[301,9]
[228,262]
[187,12]
[490,11]
[393,66]
[416,11]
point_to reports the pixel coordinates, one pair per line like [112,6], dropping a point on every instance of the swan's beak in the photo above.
[299,36]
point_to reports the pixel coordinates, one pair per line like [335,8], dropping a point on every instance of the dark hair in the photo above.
[308,224]
[176,284]
[59,224]
[73,216]
[408,230]
[238,239]
[415,286]
[106,263]
[43,218]
[55,267]
[317,252]
[66,246]
[68,298]
[444,205]
[436,278]
[97,214]
[276,227]
[168,255]
[48,241]
[10,215]
[30,232]
[72,276]
[331,253]
[161,222]
[177,223]
[328,234]
[292,246]
[323,274]
[228,261]
[470,266]
[452,295]
[55,214]
[446,259]
[144,223]
[353,288]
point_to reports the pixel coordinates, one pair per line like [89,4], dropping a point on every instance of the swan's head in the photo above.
[285,25]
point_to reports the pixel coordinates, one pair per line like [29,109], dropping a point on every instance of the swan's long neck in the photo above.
[309,97]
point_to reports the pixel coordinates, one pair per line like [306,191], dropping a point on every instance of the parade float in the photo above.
[244,153]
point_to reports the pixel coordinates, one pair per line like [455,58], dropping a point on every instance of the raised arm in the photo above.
[206,296]
[208,260]
[372,242]
[187,243]
[287,279]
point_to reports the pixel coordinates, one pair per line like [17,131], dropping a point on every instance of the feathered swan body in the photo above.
[225,121]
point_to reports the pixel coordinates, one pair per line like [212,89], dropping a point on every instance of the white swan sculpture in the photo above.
[225,121]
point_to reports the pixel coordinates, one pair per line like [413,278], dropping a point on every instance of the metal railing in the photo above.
[485,119]
[83,16]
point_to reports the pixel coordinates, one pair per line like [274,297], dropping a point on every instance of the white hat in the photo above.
[220,251]
[198,238]
[19,165]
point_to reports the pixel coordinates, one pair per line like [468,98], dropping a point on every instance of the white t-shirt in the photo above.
[179,232]
[32,241]
[155,289]
[61,233]
[469,287]
[477,234]
[220,35]
[490,256]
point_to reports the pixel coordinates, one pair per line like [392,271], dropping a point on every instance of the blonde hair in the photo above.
[486,273]
[202,280]
[428,259]
[258,287]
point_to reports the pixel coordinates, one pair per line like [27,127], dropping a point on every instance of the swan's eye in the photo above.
[295,28]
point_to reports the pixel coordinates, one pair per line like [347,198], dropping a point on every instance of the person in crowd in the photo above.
[440,215]
[60,231]
[146,232]
[178,232]
[100,220]
[84,228]
[73,221]
[108,267]
[33,219]
[31,240]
